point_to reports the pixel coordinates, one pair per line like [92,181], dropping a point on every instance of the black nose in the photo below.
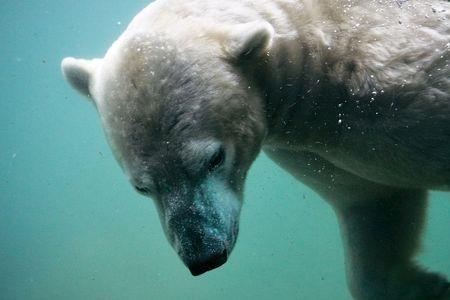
[205,264]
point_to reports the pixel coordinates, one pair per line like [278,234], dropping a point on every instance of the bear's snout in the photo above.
[201,223]
[207,261]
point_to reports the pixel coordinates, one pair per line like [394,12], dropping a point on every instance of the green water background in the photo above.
[71,227]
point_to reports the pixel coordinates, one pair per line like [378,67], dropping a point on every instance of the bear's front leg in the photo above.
[380,227]
[380,239]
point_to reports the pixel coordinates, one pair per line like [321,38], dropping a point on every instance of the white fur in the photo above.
[351,97]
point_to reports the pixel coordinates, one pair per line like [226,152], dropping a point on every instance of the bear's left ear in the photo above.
[79,73]
[249,39]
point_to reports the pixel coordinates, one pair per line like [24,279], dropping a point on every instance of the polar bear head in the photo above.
[185,125]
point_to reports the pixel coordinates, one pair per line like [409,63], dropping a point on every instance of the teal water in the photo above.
[71,227]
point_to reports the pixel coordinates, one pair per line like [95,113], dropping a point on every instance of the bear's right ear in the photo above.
[79,73]
[249,39]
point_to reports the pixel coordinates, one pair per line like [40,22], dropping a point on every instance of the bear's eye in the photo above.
[217,159]
[142,190]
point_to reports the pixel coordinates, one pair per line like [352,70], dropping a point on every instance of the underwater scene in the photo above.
[71,225]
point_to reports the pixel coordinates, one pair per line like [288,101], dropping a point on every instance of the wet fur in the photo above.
[352,98]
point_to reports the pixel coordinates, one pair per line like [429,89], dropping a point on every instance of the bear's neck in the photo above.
[300,97]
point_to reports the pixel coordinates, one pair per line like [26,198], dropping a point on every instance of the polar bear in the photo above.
[351,97]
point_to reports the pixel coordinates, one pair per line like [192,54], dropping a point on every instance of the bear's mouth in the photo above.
[201,266]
